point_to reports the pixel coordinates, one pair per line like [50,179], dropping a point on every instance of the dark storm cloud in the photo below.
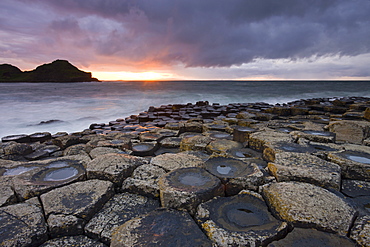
[209,33]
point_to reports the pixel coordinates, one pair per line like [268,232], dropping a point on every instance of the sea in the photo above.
[27,108]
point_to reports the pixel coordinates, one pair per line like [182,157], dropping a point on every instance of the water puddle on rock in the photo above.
[358,158]
[318,133]
[193,179]
[223,169]
[60,174]
[244,217]
[18,170]
[58,164]
[141,148]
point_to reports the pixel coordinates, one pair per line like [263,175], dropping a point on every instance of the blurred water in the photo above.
[24,105]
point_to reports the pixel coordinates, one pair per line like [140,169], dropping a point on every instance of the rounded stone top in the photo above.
[191,179]
[228,167]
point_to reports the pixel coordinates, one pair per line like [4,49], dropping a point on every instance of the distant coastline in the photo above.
[57,71]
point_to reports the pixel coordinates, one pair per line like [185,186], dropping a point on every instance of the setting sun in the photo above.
[139,76]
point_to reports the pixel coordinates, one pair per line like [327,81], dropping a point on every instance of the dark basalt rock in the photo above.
[241,220]
[22,224]
[185,188]
[16,138]
[144,148]
[40,137]
[312,238]
[119,209]
[162,227]
[235,174]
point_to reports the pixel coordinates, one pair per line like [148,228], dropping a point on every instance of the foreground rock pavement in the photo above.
[243,174]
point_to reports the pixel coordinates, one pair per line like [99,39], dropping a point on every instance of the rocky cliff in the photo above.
[57,71]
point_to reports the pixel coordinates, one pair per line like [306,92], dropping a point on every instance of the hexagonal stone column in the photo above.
[307,205]
[119,209]
[162,227]
[241,220]
[68,208]
[185,188]
[305,168]
[354,164]
[22,224]
[235,174]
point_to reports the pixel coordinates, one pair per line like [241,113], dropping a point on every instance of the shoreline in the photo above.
[246,149]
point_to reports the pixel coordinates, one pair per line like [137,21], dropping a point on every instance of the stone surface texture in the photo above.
[307,205]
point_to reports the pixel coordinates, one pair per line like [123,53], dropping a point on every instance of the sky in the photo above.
[191,39]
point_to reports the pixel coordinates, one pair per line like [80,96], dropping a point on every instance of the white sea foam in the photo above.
[24,105]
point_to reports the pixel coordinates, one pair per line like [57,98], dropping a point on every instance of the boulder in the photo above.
[241,220]
[162,227]
[307,168]
[119,209]
[22,224]
[306,205]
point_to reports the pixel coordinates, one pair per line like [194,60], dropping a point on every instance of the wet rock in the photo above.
[122,143]
[22,224]
[162,227]
[241,220]
[66,141]
[312,237]
[16,138]
[81,241]
[355,165]
[222,146]
[144,148]
[350,131]
[271,150]
[113,167]
[81,200]
[185,188]
[355,188]
[306,205]
[195,143]
[235,174]
[193,127]
[245,154]
[171,162]
[305,168]
[241,134]
[118,210]
[35,178]
[40,137]
[144,180]
[361,231]
[258,140]
[367,114]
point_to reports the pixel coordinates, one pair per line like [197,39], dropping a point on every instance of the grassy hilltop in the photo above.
[57,71]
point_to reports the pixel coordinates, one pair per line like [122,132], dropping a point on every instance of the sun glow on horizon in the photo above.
[135,76]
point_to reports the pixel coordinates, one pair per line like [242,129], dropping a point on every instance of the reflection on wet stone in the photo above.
[241,220]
